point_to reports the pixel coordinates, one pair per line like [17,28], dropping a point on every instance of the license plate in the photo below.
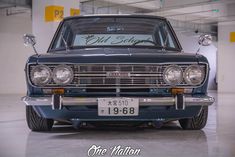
[118,107]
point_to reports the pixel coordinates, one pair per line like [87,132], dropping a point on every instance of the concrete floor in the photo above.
[217,139]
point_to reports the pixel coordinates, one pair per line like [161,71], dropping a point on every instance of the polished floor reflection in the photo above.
[217,139]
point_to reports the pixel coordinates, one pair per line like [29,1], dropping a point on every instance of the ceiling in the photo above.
[196,11]
[185,15]
[15,7]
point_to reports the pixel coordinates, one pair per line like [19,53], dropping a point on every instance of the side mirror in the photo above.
[30,39]
[205,40]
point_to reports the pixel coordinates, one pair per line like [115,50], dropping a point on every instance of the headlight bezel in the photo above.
[180,80]
[56,80]
[188,81]
[33,79]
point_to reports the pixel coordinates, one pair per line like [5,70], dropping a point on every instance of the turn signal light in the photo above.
[58,91]
[175,91]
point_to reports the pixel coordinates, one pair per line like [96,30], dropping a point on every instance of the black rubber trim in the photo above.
[56,102]
[180,104]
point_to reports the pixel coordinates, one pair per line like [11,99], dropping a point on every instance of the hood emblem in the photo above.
[119,74]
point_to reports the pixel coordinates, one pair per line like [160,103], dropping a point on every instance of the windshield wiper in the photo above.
[64,41]
[166,38]
[146,41]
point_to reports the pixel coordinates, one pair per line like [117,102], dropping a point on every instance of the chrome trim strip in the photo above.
[69,63]
[52,104]
[184,102]
[131,75]
[166,63]
[176,100]
[147,101]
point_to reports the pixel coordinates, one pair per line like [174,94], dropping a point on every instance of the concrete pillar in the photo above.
[226,53]
[226,56]
[46,15]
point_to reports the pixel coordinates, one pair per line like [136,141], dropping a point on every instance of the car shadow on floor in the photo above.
[152,141]
[170,130]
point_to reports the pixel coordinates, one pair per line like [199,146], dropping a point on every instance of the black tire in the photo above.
[36,123]
[197,122]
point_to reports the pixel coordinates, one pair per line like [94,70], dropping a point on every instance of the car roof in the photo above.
[115,15]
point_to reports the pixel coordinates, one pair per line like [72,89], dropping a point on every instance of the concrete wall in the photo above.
[43,30]
[13,54]
[226,55]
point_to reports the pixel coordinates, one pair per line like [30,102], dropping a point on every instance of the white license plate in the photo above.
[118,107]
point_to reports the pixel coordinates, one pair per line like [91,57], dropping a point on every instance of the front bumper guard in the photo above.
[179,101]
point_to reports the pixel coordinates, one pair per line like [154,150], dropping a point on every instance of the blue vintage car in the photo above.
[114,69]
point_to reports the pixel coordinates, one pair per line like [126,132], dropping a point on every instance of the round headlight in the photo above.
[194,75]
[173,75]
[40,75]
[62,75]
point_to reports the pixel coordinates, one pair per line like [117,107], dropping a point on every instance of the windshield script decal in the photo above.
[111,39]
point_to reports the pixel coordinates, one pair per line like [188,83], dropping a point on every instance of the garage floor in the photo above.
[217,139]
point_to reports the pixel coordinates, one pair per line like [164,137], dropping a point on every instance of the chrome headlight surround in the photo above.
[173,75]
[41,75]
[194,75]
[63,74]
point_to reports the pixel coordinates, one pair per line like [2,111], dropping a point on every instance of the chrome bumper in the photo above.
[148,101]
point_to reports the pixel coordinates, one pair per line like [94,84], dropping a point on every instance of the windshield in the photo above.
[114,31]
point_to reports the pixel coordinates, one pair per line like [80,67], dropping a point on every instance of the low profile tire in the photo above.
[197,122]
[36,123]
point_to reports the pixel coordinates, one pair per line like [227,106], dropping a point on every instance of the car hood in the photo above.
[116,55]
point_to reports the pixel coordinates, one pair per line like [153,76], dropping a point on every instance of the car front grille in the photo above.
[119,75]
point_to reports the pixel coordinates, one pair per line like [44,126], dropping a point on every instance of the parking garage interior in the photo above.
[189,18]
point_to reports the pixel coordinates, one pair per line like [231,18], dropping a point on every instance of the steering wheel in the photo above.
[145,41]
